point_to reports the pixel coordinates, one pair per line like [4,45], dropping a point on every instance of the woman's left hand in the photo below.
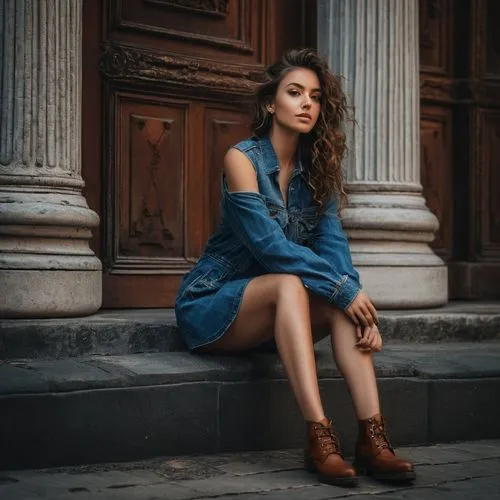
[370,339]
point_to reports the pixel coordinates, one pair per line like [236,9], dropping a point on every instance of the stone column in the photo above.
[46,266]
[374,45]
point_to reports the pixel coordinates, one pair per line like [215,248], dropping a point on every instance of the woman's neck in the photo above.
[285,146]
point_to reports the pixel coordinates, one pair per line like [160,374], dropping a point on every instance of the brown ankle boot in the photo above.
[323,455]
[375,456]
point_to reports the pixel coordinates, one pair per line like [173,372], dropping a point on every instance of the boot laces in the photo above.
[379,435]
[328,440]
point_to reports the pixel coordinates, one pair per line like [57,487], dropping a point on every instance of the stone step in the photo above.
[116,332]
[118,408]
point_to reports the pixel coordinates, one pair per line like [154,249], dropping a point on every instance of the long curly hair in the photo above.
[324,147]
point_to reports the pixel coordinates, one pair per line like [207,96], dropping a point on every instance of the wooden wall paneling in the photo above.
[149,159]
[477,274]
[186,76]
[436,172]
[486,39]
[435,27]
[223,128]
[92,118]
[152,160]
[196,184]
[485,208]
[436,50]
[300,15]
[437,98]
[486,201]
[209,28]
[492,39]
[146,237]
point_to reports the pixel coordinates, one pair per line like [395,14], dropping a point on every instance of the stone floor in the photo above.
[464,470]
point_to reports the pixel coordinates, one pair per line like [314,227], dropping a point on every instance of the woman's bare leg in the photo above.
[355,365]
[279,304]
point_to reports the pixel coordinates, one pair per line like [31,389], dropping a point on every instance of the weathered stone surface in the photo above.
[106,332]
[16,379]
[103,425]
[459,408]
[112,332]
[255,414]
[117,408]
[472,474]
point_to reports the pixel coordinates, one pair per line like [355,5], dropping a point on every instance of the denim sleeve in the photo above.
[330,243]
[247,214]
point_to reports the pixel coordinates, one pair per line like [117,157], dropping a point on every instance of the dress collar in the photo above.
[271,160]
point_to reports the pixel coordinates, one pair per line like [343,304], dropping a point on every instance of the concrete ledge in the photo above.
[100,408]
[111,332]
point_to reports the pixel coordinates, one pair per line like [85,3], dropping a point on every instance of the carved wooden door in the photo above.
[165,92]
[460,138]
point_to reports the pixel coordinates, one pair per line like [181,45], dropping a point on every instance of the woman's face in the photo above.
[297,102]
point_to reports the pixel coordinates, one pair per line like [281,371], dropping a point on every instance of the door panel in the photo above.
[436,174]
[436,126]
[176,79]
[223,128]
[151,157]
[487,199]
[214,27]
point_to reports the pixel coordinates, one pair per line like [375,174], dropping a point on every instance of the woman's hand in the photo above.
[362,312]
[371,340]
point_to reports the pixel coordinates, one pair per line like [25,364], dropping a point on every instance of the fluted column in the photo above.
[374,45]
[46,265]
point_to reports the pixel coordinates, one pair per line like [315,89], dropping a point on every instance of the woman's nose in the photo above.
[307,102]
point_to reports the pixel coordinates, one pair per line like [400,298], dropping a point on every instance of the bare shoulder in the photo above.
[239,171]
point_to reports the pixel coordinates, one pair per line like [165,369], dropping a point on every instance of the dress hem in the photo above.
[221,332]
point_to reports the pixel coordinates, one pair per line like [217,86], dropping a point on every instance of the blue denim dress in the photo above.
[260,235]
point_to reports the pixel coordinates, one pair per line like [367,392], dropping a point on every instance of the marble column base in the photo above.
[389,235]
[47,268]
[49,293]
[398,287]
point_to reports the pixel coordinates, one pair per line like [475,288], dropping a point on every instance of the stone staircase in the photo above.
[120,386]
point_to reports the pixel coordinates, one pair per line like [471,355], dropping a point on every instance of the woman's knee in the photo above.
[325,316]
[290,284]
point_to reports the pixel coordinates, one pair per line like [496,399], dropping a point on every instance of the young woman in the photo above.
[279,266]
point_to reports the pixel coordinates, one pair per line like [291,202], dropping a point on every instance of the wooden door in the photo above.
[165,93]
[460,138]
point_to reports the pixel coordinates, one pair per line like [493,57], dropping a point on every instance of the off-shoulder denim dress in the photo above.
[258,235]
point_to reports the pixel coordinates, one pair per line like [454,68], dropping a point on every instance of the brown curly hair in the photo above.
[326,143]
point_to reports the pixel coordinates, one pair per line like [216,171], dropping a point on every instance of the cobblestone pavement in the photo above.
[466,470]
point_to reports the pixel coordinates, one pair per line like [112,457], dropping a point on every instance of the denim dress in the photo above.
[259,235]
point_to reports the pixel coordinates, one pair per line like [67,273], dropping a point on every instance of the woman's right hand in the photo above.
[362,312]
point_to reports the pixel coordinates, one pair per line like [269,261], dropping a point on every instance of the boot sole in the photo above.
[345,482]
[394,477]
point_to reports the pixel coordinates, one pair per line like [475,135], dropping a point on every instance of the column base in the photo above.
[389,235]
[398,287]
[49,293]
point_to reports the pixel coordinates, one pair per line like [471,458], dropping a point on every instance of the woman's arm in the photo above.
[330,243]
[244,209]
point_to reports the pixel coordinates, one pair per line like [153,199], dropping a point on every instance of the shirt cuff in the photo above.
[345,292]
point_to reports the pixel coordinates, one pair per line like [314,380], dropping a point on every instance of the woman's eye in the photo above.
[293,93]
[316,98]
